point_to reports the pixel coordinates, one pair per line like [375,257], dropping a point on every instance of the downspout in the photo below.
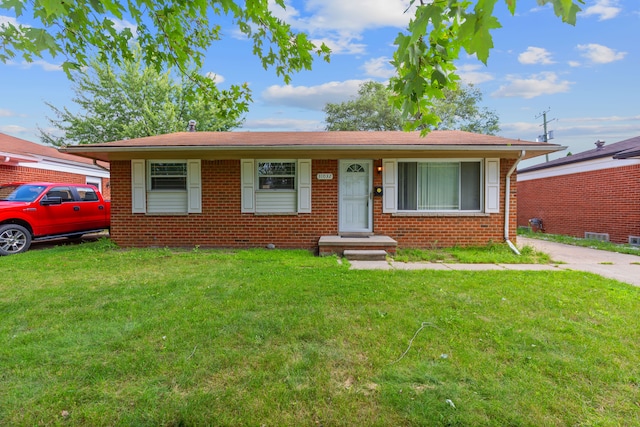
[507,198]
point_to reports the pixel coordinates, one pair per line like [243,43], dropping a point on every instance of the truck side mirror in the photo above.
[51,200]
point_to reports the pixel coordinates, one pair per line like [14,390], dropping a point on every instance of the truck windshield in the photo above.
[20,193]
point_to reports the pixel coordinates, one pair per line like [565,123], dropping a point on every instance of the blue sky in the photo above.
[586,76]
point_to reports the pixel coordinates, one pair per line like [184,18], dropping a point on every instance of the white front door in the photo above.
[355,206]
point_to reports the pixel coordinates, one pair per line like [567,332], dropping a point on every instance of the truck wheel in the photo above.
[14,239]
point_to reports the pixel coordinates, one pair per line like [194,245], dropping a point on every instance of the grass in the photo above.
[92,335]
[490,254]
[588,243]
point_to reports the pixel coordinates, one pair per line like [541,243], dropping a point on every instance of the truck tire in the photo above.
[14,239]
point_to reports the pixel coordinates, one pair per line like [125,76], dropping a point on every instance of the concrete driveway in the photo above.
[621,267]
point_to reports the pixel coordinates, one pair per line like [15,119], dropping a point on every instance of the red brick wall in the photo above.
[10,173]
[223,225]
[603,201]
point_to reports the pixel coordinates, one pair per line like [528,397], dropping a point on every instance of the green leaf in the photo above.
[16,5]
[53,8]
[565,9]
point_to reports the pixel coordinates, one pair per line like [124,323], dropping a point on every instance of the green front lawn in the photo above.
[92,335]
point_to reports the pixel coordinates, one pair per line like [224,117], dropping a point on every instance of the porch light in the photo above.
[379,168]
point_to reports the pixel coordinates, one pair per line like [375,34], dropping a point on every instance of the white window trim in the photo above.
[280,190]
[96,182]
[489,186]
[249,183]
[148,165]
[140,179]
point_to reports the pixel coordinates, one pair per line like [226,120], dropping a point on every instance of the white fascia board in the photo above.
[69,168]
[305,148]
[75,149]
[577,167]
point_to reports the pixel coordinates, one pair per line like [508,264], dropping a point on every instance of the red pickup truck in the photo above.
[48,210]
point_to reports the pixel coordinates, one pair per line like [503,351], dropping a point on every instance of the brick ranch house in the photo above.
[292,189]
[23,161]
[595,193]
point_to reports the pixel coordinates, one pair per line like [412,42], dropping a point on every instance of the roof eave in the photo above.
[102,152]
[628,155]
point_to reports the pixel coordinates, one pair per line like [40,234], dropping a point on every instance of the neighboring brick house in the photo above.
[595,192]
[289,189]
[23,161]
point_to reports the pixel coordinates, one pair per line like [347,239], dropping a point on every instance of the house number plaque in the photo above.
[325,176]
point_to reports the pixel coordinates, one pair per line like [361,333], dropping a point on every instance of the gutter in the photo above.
[507,197]
[362,147]
[95,163]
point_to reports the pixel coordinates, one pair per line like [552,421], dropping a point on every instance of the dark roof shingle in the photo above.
[612,150]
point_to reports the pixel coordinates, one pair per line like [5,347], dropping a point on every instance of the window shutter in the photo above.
[492,186]
[138,186]
[390,185]
[194,186]
[304,186]
[247,179]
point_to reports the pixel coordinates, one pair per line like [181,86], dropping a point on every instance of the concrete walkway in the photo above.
[621,267]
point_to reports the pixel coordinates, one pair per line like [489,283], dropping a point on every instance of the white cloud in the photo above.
[121,24]
[470,74]
[311,97]
[13,129]
[604,9]
[546,83]
[599,54]
[6,113]
[608,119]
[578,132]
[46,66]
[8,20]
[574,64]
[520,128]
[379,67]
[342,43]
[351,16]
[535,55]
[340,24]
[217,78]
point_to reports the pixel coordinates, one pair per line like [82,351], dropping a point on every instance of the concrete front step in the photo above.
[365,255]
[328,245]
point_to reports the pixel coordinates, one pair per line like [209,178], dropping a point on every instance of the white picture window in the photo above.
[440,186]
